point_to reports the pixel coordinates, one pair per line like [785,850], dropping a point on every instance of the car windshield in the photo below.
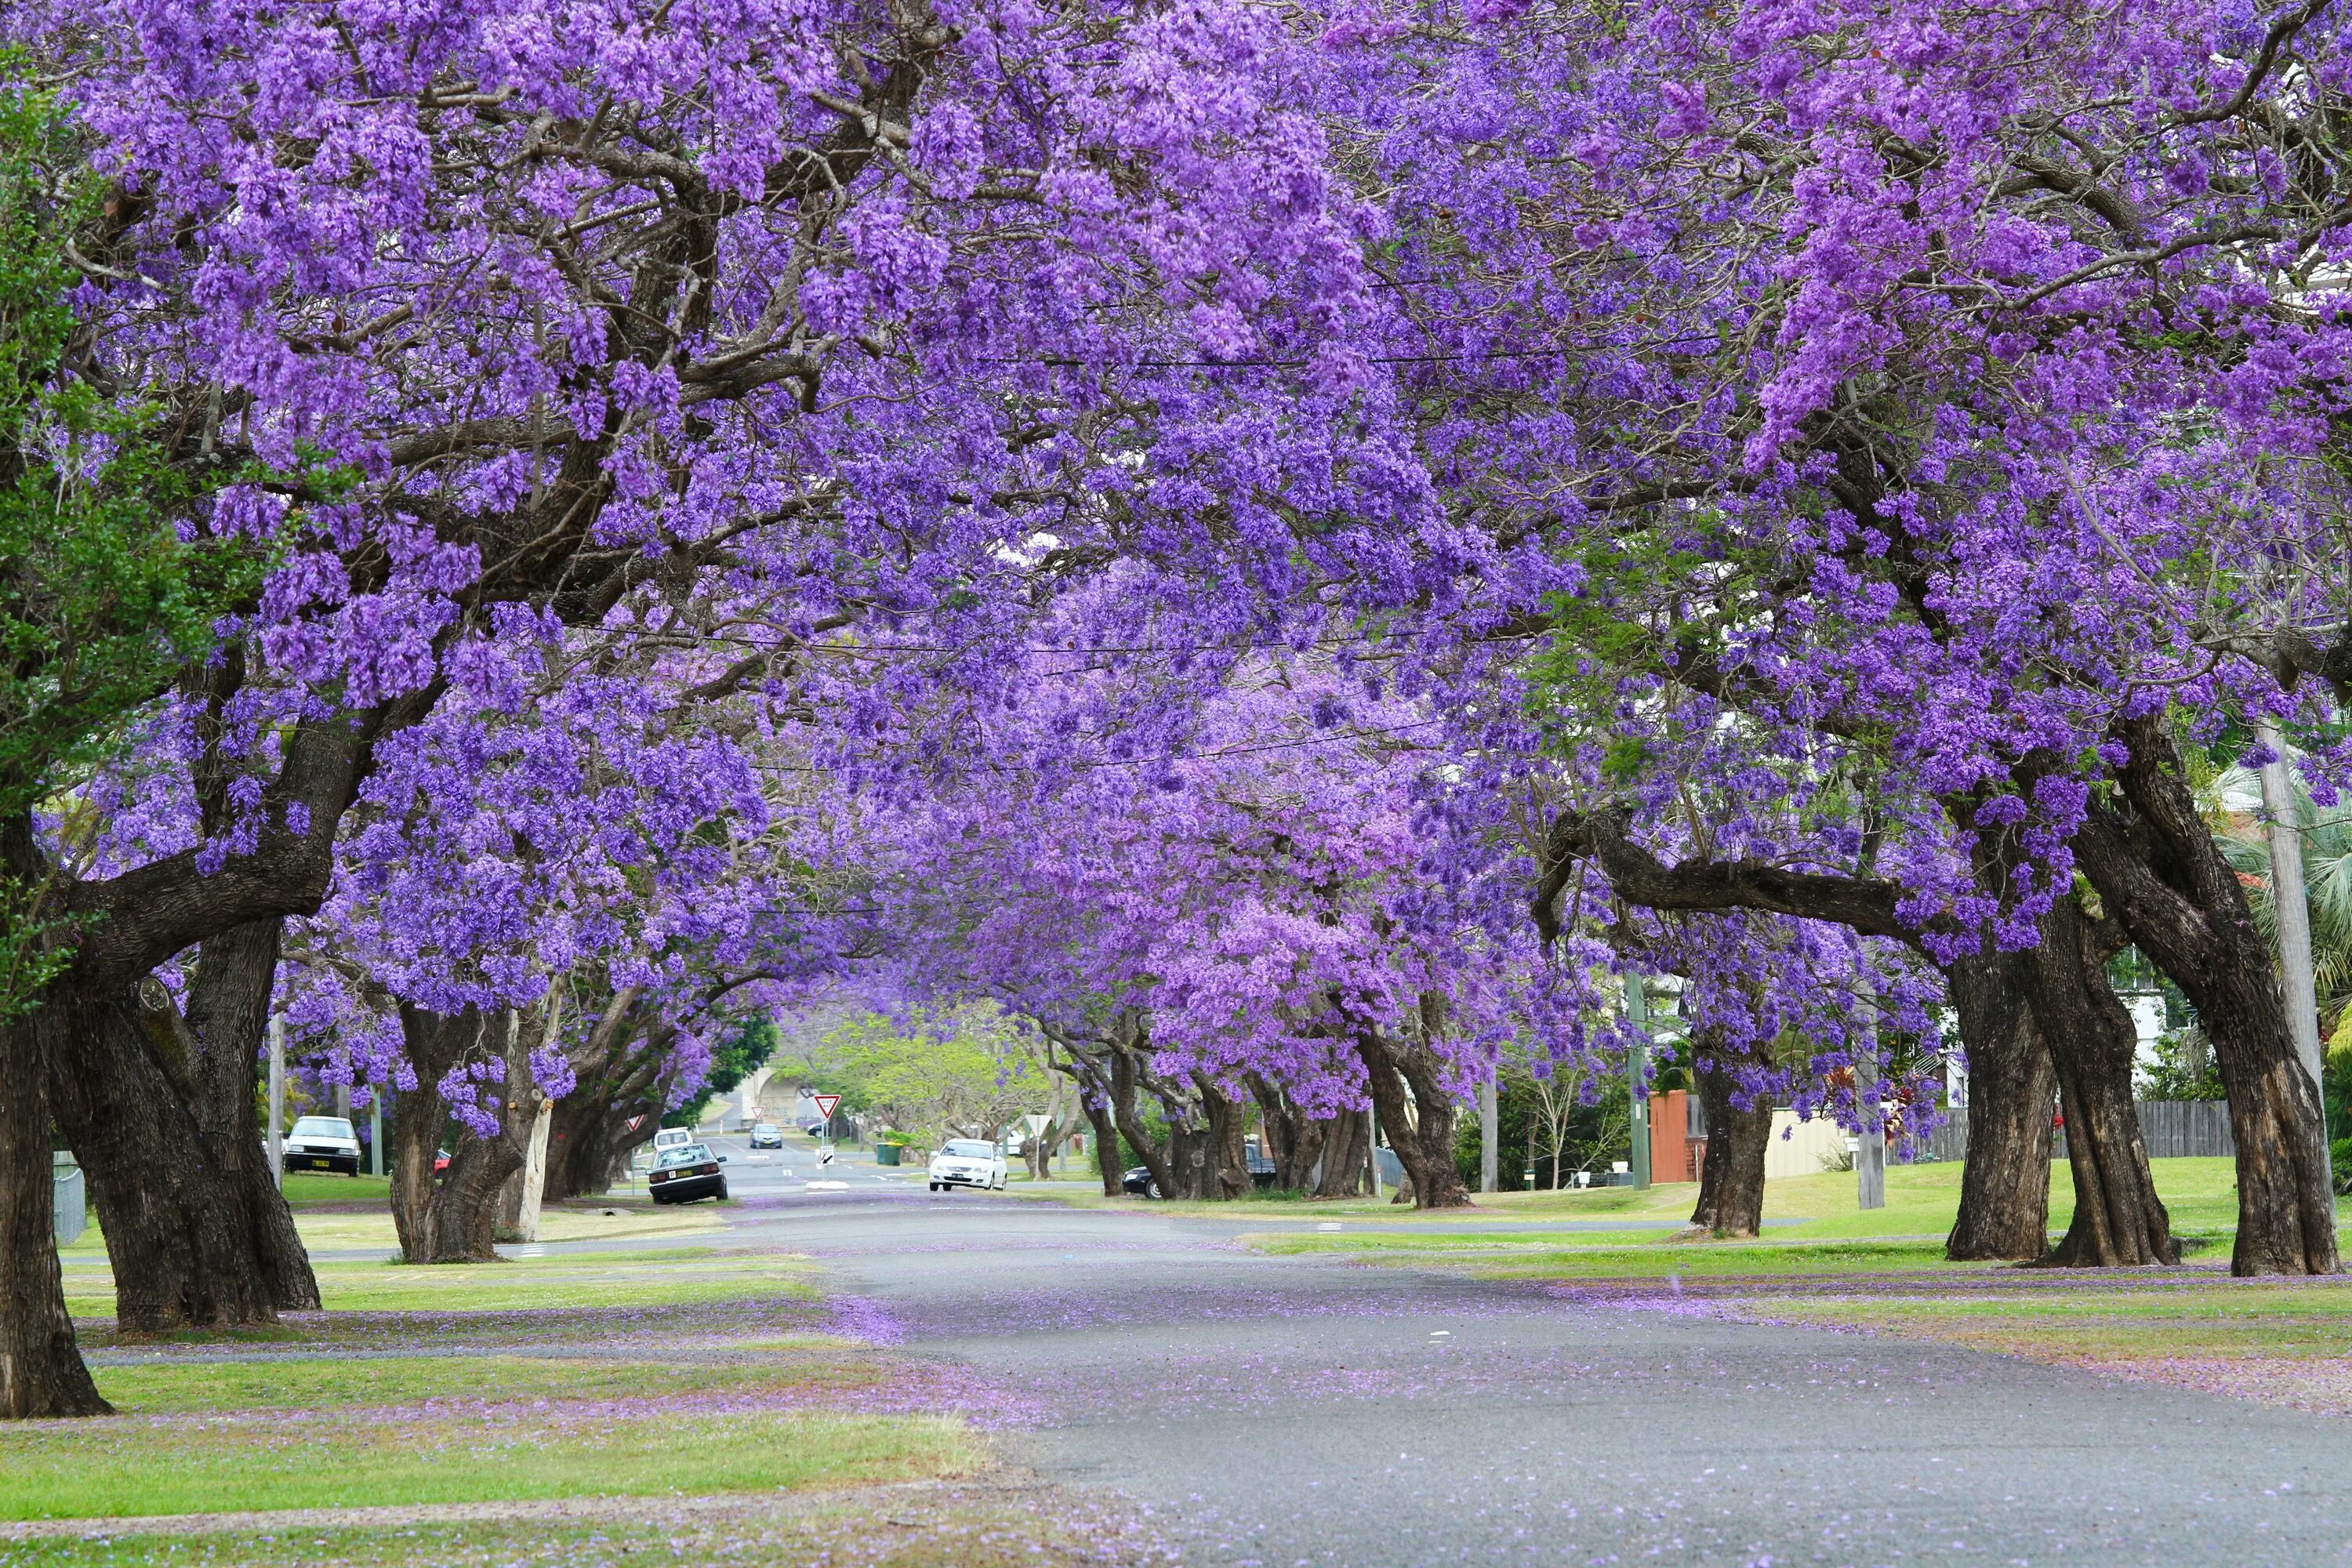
[685,1154]
[322,1127]
[969,1149]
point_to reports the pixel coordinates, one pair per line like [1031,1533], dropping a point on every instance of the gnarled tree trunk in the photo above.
[1731,1181]
[1225,1164]
[2156,866]
[2005,1178]
[161,1111]
[2118,1219]
[455,1219]
[1347,1140]
[1419,1129]
[1292,1140]
[41,1370]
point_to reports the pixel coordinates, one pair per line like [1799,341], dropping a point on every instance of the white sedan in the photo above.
[968,1163]
[323,1143]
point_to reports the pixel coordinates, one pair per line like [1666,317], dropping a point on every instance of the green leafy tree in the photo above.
[104,594]
[959,1072]
[745,1052]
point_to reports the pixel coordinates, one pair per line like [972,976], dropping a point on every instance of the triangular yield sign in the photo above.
[824,1104]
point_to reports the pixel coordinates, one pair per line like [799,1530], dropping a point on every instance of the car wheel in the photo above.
[723,1192]
[1151,1189]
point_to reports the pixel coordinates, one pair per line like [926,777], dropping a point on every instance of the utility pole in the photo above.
[1870,1153]
[2283,830]
[1637,1068]
[278,1099]
[1372,1148]
[1489,1124]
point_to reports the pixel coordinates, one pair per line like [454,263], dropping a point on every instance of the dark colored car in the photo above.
[686,1173]
[1138,1182]
[767,1135]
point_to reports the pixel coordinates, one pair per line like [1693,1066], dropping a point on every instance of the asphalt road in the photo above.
[1297,1411]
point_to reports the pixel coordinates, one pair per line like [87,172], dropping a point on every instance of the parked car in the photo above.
[685,1172]
[968,1163]
[1138,1182]
[672,1138]
[767,1135]
[323,1143]
[815,1129]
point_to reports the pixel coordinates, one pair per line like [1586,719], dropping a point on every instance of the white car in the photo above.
[968,1163]
[323,1143]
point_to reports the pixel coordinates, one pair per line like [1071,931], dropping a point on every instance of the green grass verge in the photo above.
[581,1280]
[335,1383]
[938,1527]
[202,1465]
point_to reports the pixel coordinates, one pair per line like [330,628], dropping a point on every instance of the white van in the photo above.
[672,1138]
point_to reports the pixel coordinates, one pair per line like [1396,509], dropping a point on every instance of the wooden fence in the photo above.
[2172,1129]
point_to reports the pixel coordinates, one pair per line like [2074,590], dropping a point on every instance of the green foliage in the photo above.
[2182,1071]
[744,1053]
[101,599]
[960,1072]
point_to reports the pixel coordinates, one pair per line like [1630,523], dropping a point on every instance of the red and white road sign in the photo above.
[824,1104]
[635,1122]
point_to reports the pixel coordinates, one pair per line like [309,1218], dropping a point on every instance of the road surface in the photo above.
[1298,1411]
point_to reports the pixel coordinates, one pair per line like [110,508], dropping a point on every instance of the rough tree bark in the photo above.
[41,1371]
[1225,1172]
[161,1111]
[1154,1155]
[1347,1140]
[2158,870]
[1731,1183]
[2005,1179]
[2119,1219]
[175,1234]
[1293,1140]
[1420,1128]
[453,1220]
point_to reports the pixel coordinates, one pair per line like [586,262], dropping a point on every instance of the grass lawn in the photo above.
[670,1375]
[1921,1201]
[982,1525]
[324,1213]
[328,1459]
[611,1280]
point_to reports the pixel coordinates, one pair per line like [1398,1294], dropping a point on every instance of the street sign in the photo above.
[1035,1123]
[635,1122]
[824,1104]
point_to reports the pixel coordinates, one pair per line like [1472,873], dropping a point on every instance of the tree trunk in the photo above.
[2005,1178]
[2118,1219]
[456,1219]
[1107,1163]
[1225,1166]
[1292,1140]
[1347,1140]
[1421,1130]
[195,1225]
[1156,1158]
[181,1241]
[1731,1181]
[41,1370]
[2156,865]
